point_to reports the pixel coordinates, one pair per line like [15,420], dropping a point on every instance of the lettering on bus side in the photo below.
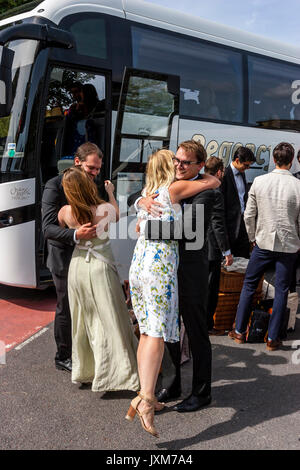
[296,93]
[226,150]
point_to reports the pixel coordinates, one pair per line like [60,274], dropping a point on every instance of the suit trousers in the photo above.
[173,386]
[193,291]
[213,290]
[62,321]
[193,286]
[258,263]
[240,247]
[194,315]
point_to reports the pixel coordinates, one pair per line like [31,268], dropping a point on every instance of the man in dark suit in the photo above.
[235,191]
[192,284]
[218,244]
[60,244]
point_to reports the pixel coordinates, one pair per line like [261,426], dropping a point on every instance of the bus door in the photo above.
[76,111]
[147,120]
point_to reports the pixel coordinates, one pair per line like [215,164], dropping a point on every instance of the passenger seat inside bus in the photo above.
[51,143]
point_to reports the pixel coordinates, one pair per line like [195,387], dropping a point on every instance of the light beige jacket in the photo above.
[272,215]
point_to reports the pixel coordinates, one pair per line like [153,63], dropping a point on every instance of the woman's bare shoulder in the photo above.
[65,216]
[64,211]
[62,215]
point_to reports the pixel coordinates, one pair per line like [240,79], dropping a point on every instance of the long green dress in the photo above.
[103,343]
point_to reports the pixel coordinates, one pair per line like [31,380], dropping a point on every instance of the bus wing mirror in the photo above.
[56,37]
[6,81]
[49,37]
[52,37]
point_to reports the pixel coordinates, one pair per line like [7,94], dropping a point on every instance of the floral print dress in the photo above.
[153,277]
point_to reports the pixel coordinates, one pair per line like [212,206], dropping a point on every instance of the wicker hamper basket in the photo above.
[231,281]
[225,313]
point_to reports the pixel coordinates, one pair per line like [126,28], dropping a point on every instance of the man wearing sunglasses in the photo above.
[235,190]
[192,283]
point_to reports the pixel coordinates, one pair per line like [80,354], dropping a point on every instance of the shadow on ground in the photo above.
[245,380]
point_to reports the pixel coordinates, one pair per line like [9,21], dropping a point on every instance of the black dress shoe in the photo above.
[64,365]
[85,385]
[164,394]
[192,403]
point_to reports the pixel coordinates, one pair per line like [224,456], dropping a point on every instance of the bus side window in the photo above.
[207,102]
[271,93]
[208,73]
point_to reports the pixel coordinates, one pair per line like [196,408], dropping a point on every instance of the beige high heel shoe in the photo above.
[133,410]
[158,405]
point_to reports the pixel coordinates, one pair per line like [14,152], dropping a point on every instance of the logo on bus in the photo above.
[226,150]
[295,94]
[20,194]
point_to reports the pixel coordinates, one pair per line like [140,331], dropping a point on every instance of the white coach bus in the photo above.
[153,77]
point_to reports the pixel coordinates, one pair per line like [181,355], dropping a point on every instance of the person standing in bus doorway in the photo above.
[235,190]
[272,219]
[81,120]
[192,284]
[60,244]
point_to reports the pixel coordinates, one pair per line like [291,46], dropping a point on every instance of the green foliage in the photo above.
[148,96]
[6,5]
[58,89]
[4,124]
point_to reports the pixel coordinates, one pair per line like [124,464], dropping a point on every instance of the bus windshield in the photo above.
[12,127]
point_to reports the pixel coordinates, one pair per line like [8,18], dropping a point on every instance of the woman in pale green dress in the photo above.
[103,342]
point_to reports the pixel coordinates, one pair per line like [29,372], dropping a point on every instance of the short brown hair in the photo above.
[86,149]
[283,154]
[195,147]
[213,165]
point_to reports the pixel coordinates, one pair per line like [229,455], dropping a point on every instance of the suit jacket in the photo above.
[233,214]
[194,256]
[60,241]
[217,234]
[193,264]
[272,215]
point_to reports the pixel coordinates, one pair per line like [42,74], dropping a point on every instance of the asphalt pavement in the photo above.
[255,406]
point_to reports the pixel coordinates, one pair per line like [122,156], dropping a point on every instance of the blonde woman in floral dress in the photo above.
[153,280]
